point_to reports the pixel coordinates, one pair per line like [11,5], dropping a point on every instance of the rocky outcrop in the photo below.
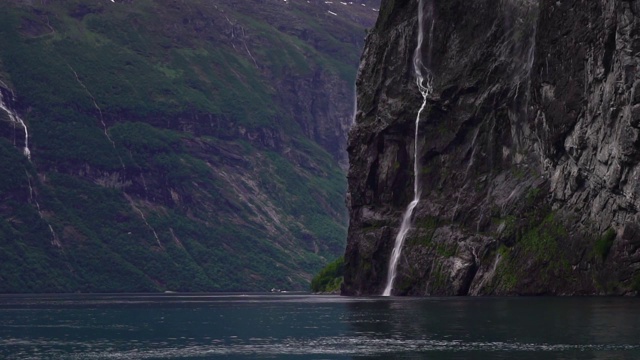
[528,150]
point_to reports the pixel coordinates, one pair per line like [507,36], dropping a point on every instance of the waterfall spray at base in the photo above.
[14,118]
[425,86]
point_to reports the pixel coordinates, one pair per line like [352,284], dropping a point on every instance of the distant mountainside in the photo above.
[152,145]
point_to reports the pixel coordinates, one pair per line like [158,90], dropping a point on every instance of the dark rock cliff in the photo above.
[528,150]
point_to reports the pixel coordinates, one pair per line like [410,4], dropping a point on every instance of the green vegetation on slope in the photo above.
[329,278]
[165,156]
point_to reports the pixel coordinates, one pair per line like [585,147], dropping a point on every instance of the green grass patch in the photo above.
[603,244]
[329,278]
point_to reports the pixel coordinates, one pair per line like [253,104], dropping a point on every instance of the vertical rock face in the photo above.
[528,150]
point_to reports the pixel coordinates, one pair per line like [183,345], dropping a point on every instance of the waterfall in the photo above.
[16,119]
[113,144]
[32,198]
[424,81]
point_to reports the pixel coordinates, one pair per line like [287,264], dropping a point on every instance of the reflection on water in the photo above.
[298,326]
[506,328]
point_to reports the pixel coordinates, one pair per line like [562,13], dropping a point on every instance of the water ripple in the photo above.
[347,346]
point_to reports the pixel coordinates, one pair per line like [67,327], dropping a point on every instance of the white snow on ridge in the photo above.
[331,12]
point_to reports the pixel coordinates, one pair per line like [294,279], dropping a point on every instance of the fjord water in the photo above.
[177,326]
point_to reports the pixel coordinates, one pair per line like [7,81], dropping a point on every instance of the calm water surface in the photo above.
[177,326]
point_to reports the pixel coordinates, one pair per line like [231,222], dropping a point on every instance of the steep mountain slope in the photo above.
[174,145]
[527,150]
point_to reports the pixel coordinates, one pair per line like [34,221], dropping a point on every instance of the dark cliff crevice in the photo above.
[528,151]
[609,48]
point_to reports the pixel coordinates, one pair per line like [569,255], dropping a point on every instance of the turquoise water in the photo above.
[299,326]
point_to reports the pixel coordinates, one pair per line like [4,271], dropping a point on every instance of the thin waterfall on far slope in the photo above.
[425,86]
[16,119]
